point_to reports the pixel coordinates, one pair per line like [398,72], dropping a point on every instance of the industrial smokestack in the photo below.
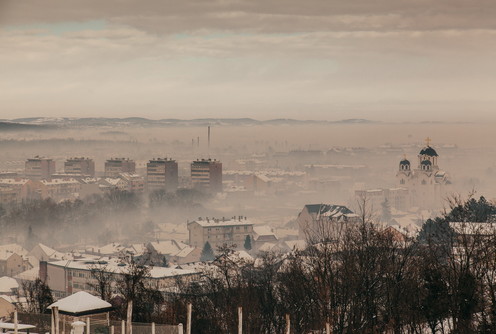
[209,137]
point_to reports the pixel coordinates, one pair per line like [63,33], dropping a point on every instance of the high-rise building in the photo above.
[39,168]
[115,166]
[206,174]
[80,166]
[161,173]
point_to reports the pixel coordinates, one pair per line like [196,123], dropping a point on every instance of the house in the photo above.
[7,306]
[111,249]
[8,286]
[161,251]
[13,260]
[187,255]
[44,253]
[317,221]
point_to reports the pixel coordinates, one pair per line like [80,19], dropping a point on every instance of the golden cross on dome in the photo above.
[404,156]
[428,141]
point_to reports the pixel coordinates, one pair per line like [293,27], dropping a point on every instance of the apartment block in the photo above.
[80,166]
[206,174]
[39,168]
[219,231]
[115,166]
[162,174]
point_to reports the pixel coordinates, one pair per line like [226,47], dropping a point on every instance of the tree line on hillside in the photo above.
[45,220]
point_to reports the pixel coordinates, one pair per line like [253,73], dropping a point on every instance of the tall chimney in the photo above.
[209,137]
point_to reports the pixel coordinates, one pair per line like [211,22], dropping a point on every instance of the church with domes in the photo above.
[427,184]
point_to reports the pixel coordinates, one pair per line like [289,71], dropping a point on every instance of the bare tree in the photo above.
[38,295]
[132,284]
[104,277]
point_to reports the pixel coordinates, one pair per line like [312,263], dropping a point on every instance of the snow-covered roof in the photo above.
[114,181]
[48,251]
[14,181]
[7,284]
[59,181]
[14,248]
[14,299]
[170,271]
[109,249]
[137,249]
[8,325]
[115,266]
[81,303]
[241,255]
[29,275]
[296,244]
[330,210]
[263,230]
[219,223]
[168,247]
[267,247]
[185,251]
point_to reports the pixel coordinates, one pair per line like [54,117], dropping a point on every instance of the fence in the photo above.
[98,325]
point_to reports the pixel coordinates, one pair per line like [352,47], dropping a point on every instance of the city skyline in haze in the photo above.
[380,60]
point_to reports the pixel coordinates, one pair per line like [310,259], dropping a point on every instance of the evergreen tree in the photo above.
[436,231]
[247,244]
[386,211]
[207,253]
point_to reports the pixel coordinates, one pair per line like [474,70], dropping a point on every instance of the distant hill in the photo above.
[168,122]
[11,126]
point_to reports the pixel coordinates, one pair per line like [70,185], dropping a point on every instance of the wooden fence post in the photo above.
[240,320]
[188,324]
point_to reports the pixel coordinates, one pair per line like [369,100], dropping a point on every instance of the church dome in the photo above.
[426,163]
[404,162]
[428,151]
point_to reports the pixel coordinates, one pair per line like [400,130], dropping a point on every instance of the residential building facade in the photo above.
[39,168]
[206,174]
[162,173]
[115,166]
[80,166]
[219,231]
[317,222]
[67,277]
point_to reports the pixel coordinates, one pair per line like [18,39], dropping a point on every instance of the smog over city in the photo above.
[247,166]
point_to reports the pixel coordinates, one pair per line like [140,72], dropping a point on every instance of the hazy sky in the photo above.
[376,59]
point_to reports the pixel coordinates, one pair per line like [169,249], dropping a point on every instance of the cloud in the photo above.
[319,59]
[259,15]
